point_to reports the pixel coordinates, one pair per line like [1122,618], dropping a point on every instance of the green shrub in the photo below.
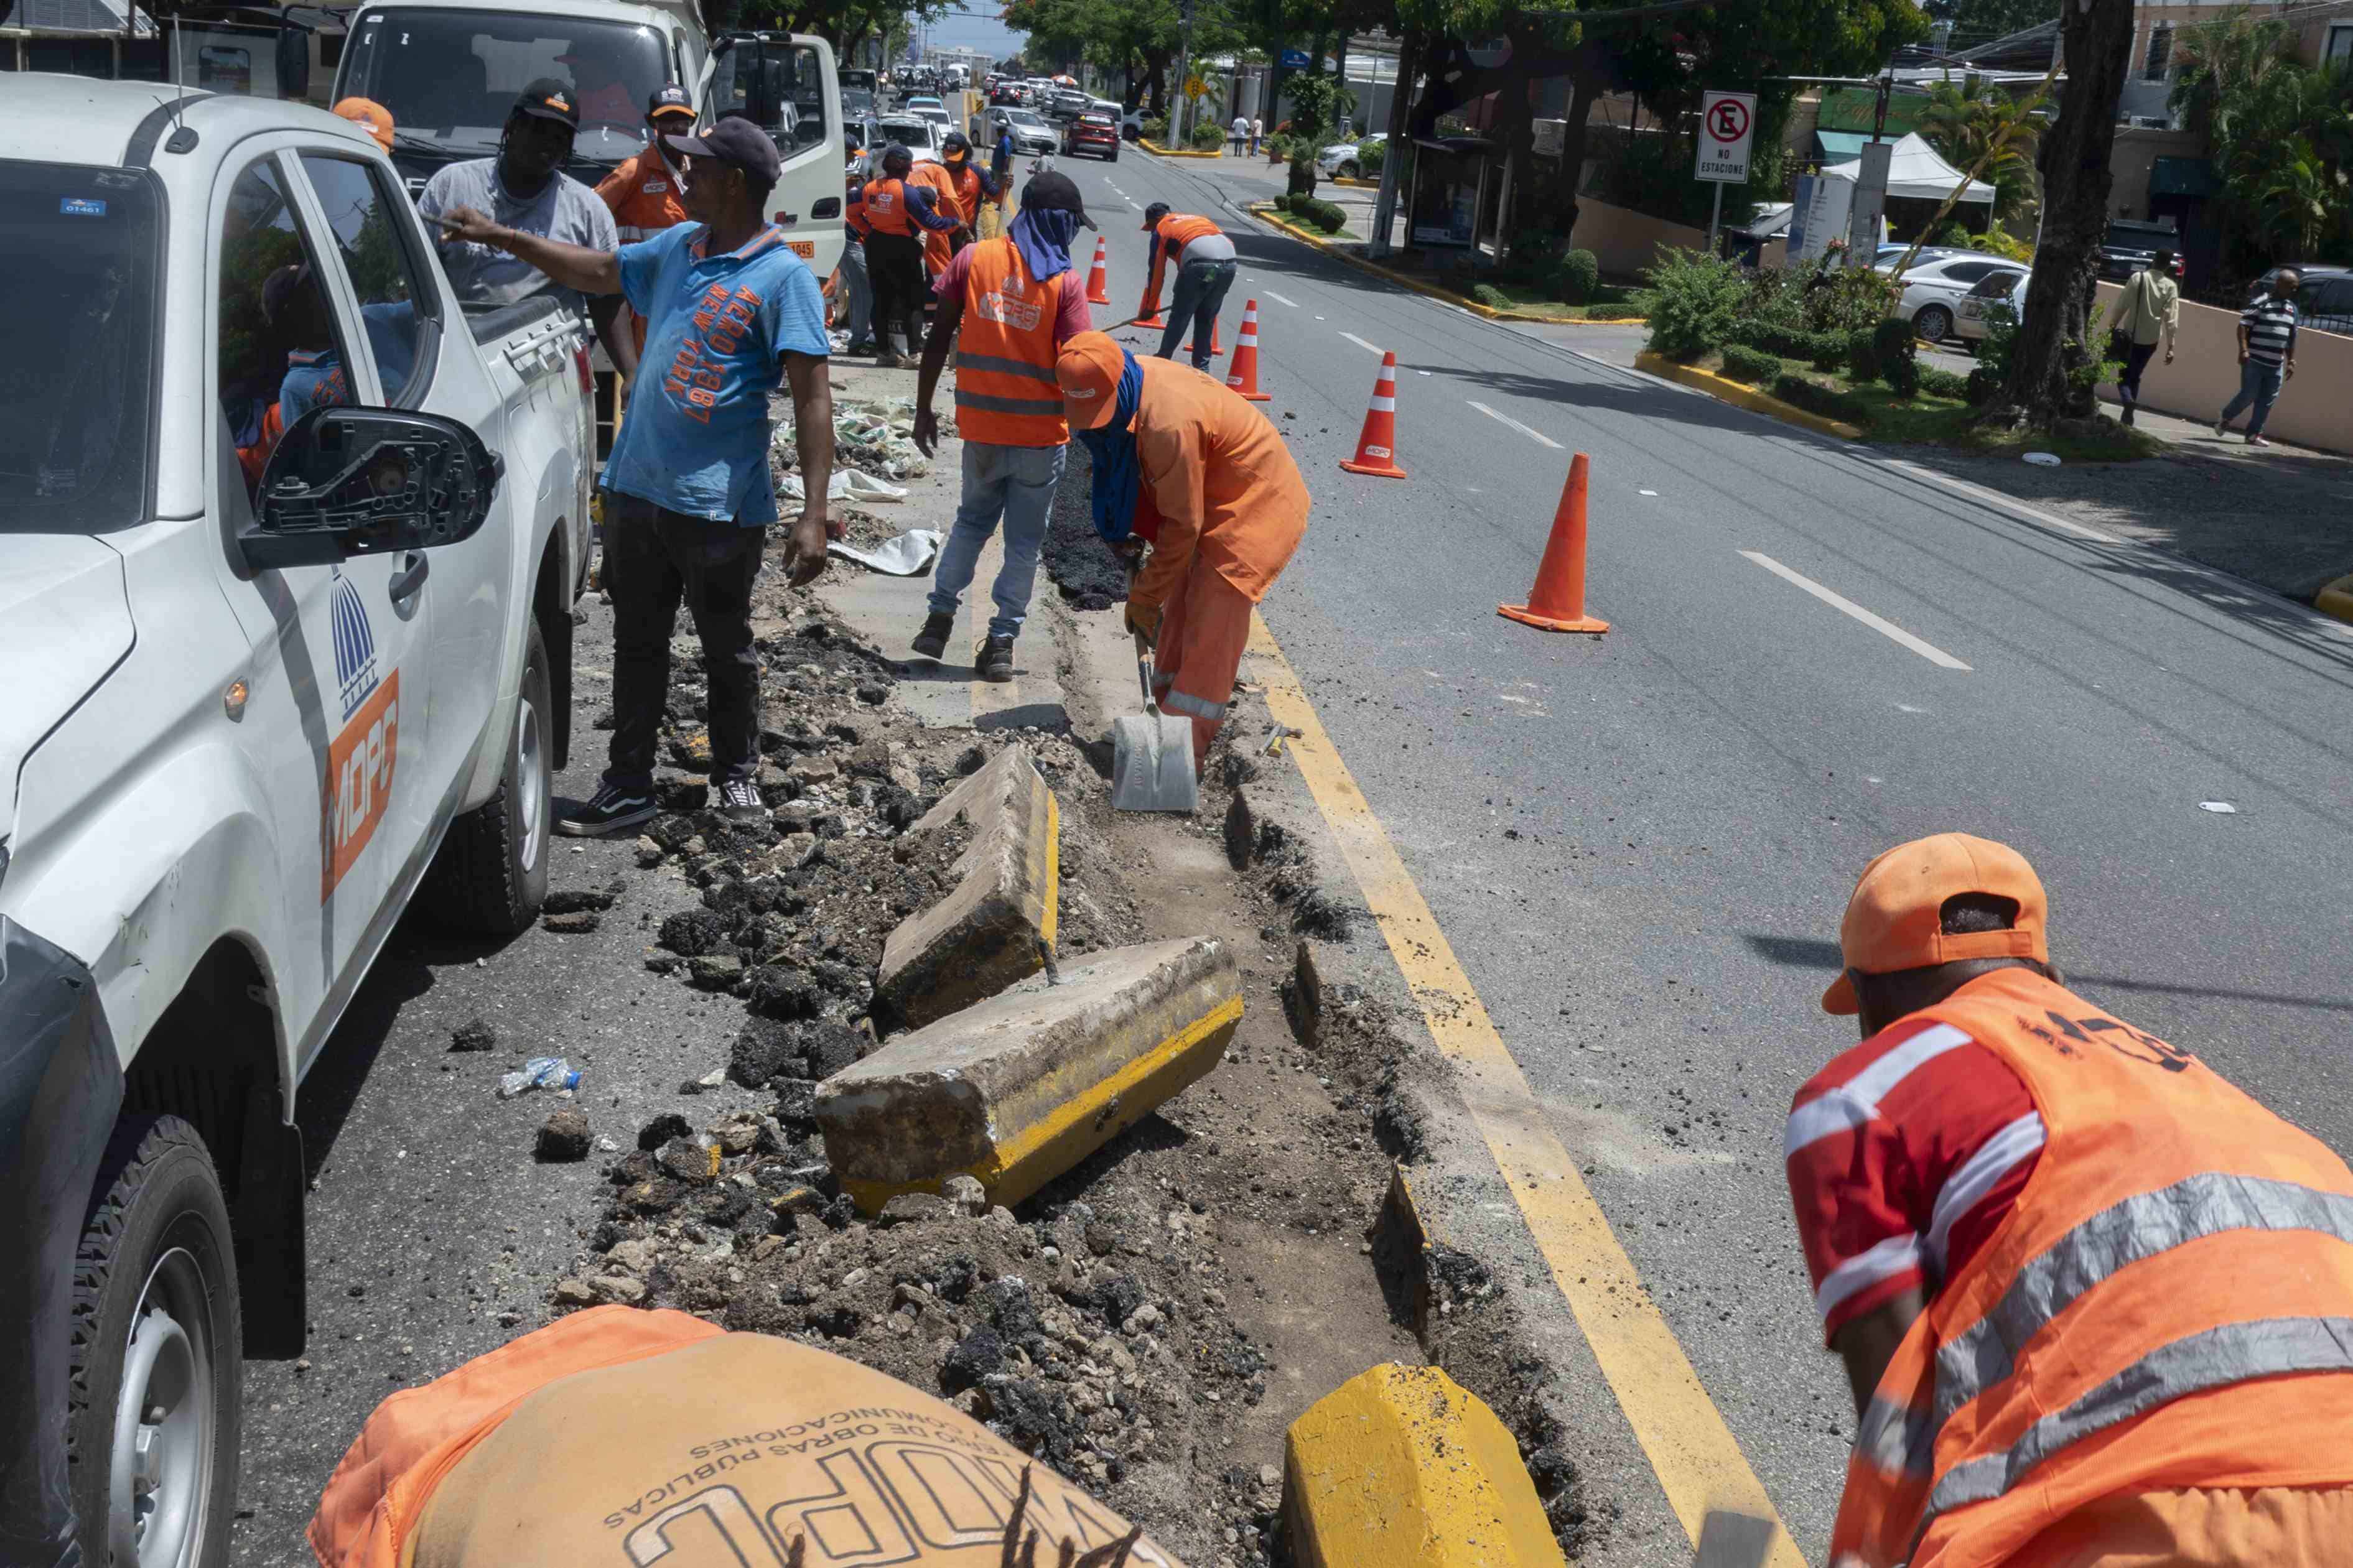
[1862,356]
[1494,299]
[1692,299]
[1844,299]
[1816,398]
[1826,350]
[1155,131]
[1893,342]
[1823,350]
[1754,366]
[1370,156]
[1208,136]
[1942,382]
[1984,384]
[1329,217]
[1576,275]
[1625,312]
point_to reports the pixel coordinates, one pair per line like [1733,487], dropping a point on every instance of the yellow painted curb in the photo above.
[1741,396]
[1399,1466]
[1267,213]
[1357,185]
[2337,599]
[1158,150]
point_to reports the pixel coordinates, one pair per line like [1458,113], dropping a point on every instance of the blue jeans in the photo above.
[859,307]
[2259,384]
[1200,291]
[1017,484]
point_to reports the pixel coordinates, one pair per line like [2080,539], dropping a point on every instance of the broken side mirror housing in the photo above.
[368,481]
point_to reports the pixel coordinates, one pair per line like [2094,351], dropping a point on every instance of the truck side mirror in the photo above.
[368,481]
[293,62]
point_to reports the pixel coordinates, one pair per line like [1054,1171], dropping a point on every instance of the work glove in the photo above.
[1144,620]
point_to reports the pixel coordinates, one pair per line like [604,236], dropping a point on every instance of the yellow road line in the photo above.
[1698,1462]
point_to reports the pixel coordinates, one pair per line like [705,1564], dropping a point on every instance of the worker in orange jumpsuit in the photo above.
[972,186]
[645,197]
[1202,258]
[940,244]
[2096,1303]
[1232,510]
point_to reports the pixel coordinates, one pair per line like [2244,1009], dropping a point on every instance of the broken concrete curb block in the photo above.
[1016,1090]
[989,931]
[1399,1465]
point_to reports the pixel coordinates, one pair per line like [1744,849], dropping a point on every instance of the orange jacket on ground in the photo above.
[936,248]
[1174,232]
[1220,479]
[1004,387]
[2168,1306]
[619,1435]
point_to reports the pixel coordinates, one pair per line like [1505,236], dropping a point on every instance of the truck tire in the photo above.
[492,874]
[157,1332]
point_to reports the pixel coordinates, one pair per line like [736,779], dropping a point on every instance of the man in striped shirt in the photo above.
[2267,356]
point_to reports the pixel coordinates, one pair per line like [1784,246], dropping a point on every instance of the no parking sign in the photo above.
[1728,126]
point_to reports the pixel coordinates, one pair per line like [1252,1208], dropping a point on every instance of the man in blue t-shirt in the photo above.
[730,313]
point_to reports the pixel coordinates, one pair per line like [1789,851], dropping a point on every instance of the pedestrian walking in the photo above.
[1015,300]
[897,215]
[730,313]
[1258,130]
[2092,1298]
[2267,356]
[643,196]
[1201,256]
[2146,310]
[1184,457]
[1237,134]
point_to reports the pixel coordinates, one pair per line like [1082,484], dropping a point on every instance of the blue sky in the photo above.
[974,25]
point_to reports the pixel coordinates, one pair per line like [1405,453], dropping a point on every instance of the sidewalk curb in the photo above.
[2335,599]
[1739,397]
[1357,185]
[1160,152]
[1266,214]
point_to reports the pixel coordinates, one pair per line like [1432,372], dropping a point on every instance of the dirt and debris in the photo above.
[474,1035]
[564,1136]
[1090,576]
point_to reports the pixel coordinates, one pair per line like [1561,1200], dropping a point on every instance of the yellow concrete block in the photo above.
[1400,1466]
[2337,599]
[1746,397]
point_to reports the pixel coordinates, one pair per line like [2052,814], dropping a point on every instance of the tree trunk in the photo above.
[2051,347]
[1393,155]
[1340,75]
[1156,66]
[1585,87]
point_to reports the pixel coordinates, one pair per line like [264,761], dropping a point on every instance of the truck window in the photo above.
[383,274]
[279,353]
[449,78]
[76,362]
[778,85]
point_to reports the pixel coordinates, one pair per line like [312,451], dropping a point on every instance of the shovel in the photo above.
[1152,753]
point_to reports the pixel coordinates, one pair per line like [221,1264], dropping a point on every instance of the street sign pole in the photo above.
[1728,128]
[1716,217]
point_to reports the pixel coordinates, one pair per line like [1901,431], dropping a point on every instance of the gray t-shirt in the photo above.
[564,210]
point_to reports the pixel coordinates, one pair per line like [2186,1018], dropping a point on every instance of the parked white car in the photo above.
[1969,316]
[1344,160]
[289,546]
[1934,289]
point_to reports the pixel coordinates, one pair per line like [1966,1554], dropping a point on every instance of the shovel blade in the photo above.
[1152,764]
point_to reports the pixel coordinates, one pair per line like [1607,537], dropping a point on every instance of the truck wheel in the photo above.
[492,874]
[153,1421]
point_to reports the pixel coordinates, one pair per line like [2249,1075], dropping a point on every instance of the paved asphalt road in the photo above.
[1639,845]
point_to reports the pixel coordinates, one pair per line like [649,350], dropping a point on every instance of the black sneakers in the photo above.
[933,640]
[739,801]
[995,660]
[611,810]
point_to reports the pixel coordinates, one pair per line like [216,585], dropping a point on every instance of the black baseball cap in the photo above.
[548,98]
[1155,212]
[1055,192]
[669,99]
[736,142]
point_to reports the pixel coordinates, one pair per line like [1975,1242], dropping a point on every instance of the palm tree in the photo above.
[1967,121]
[2217,61]
[2302,200]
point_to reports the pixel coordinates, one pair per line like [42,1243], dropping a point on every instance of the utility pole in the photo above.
[1179,121]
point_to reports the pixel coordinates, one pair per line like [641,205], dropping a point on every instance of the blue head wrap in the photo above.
[1044,235]
[1112,447]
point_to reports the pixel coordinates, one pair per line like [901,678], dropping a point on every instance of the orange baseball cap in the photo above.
[1895,919]
[371,117]
[1088,368]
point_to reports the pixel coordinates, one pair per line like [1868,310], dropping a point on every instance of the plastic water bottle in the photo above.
[540,1072]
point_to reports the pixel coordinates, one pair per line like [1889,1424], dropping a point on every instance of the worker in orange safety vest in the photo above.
[1168,442]
[940,244]
[1202,258]
[971,187]
[898,214]
[644,192]
[2096,1303]
[1008,304]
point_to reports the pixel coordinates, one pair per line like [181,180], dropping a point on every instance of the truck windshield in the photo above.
[77,364]
[449,78]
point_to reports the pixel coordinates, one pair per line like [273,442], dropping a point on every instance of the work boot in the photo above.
[739,801]
[2126,416]
[995,660]
[890,359]
[933,640]
[610,810]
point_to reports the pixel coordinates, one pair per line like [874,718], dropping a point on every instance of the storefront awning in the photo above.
[1840,146]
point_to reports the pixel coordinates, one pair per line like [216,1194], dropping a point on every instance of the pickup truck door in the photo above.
[336,721]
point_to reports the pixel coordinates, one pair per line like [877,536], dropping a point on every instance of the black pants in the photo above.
[2136,358]
[894,264]
[654,560]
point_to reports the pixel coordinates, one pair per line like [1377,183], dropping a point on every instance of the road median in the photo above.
[1739,397]
[1159,152]
[1266,213]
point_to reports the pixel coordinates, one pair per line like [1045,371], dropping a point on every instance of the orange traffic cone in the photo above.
[1096,278]
[1376,444]
[1242,375]
[1557,604]
[1215,346]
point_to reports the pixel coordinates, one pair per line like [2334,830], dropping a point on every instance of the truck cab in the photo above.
[289,546]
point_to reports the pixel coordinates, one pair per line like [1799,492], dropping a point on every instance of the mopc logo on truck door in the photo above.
[358,785]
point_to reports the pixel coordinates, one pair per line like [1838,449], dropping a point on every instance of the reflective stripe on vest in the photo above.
[886,207]
[1006,392]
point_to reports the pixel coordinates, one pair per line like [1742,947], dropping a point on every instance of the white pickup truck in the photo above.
[289,548]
